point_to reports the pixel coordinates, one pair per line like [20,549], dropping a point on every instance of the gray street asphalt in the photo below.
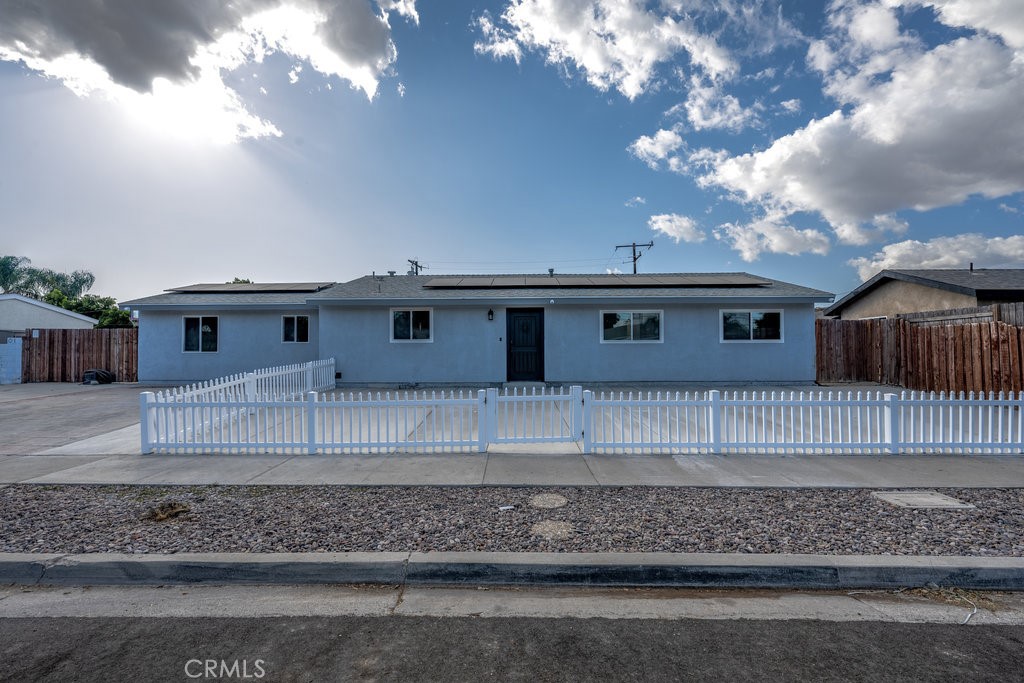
[502,649]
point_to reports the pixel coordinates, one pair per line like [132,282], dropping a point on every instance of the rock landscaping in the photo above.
[100,519]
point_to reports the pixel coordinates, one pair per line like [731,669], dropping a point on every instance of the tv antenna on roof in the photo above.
[636,256]
[416,266]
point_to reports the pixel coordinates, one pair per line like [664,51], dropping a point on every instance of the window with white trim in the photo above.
[751,326]
[411,325]
[630,326]
[200,333]
[295,329]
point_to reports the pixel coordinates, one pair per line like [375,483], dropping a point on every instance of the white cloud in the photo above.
[635,201]
[497,42]
[791,106]
[771,234]
[1008,209]
[922,128]
[945,252]
[293,75]
[400,89]
[657,148]
[680,228]
[172,69]
[613,43]
[1000,17]
[707,106]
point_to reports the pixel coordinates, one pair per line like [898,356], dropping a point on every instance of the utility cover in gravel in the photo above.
[94,519]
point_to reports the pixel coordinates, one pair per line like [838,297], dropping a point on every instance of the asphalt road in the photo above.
[354,648]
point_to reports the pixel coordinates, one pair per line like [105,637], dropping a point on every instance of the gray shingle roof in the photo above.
[411,287]
[197,299]
[389,289]
[963,281]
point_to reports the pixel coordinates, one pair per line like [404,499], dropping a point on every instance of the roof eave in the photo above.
[878,279]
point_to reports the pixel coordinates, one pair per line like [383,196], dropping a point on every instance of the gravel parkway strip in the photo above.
[278,519]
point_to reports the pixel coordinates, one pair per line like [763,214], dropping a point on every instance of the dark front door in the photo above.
[525,344]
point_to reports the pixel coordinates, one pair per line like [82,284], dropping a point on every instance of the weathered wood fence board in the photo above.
[64,355]
[965,357]
[1009,313]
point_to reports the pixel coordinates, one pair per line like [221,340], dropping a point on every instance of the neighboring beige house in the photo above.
[892,292]
[19,313]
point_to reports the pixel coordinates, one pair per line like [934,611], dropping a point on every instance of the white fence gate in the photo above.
[235,417]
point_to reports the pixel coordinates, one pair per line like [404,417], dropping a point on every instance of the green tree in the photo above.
[17,276]
[103,308]
[13,273]
[240,281]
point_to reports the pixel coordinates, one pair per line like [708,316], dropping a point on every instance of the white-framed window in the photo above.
[412,325]
[295,329]
[750,326]
[199,333]
[631,326]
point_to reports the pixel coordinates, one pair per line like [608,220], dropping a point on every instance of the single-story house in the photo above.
[20,313]
[489,329]
[892,292]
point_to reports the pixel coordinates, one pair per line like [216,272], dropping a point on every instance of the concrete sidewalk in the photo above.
[522,469]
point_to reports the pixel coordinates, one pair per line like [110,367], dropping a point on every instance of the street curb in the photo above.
[692,570]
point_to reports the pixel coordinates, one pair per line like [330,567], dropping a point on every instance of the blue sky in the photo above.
[166,143]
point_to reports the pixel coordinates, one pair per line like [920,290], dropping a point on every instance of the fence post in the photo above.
[309,377]
[714,421]
[311,423]
[577,413]
[490,416]
[483,427]
[892,424]
[147,421]
[587,420]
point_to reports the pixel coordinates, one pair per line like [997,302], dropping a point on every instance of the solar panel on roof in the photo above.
[444,282]
[601,281]
[508,282]
[252,287]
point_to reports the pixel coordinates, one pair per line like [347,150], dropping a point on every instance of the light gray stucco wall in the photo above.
[467,348]
[247,340]
[691,350]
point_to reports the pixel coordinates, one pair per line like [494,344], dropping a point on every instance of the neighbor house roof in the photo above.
[978,282]
[42,305]
[666,287]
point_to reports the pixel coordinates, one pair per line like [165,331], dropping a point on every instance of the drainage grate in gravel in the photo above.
[921,499]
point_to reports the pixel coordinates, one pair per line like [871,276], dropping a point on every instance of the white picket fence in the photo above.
[803,422]
[664,422]
[283,381]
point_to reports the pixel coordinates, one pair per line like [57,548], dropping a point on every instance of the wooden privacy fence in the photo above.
[65,355]
[978,357]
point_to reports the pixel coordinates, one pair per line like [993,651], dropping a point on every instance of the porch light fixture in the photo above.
[490,314]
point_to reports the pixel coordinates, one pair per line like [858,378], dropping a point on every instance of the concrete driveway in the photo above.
[36,418]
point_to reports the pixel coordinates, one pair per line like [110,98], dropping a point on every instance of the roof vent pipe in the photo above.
[972,266]
[391,273]
[551,272]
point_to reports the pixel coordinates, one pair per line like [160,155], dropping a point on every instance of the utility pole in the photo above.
[416,267]
[636,256]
